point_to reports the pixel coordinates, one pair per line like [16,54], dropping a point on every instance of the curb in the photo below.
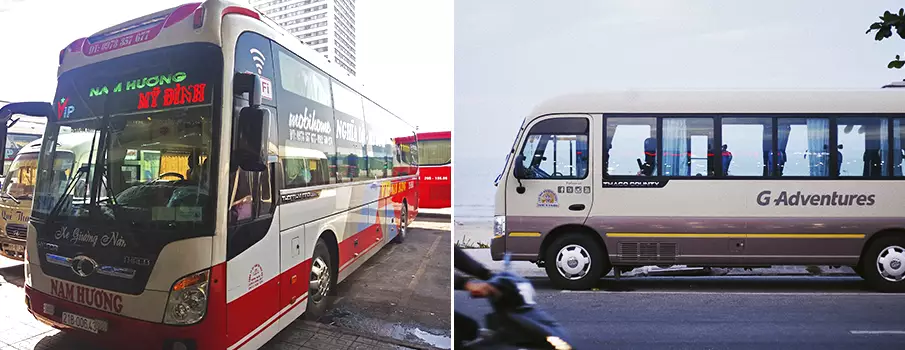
[433,216]
[375,337]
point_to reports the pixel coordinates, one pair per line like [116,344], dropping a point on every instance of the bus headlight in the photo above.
[499,226]
[558,343]
[187,303]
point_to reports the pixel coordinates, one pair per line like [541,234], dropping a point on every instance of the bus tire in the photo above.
[402,228]
[580,257]
[883,264]
[320,299]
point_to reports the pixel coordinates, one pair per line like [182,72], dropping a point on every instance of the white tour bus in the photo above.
[707,178]
[235,177]
[19,187]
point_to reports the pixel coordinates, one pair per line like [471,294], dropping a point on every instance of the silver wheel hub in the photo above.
[890,263]
[319,283]
[402,221]
[573,262]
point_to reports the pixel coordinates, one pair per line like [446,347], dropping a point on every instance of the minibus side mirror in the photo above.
[253,125]
[519,167]
[519,173]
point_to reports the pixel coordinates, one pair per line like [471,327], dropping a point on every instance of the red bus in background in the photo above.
[434,150]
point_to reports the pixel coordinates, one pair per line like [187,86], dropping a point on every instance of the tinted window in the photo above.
[554,151]
[687,142]
[746,146]
[307,131]
[803,147]
[631,146]
[863,146]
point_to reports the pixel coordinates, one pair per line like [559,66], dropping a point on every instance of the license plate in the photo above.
[84,323]
[14,248]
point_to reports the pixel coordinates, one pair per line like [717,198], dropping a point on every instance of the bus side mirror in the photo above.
[252,132]
[519,167]
[35,109]
[519,173]
[253,125]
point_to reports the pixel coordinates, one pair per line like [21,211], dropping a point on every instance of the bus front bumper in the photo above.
[123,332]
[12,248]
[497,247]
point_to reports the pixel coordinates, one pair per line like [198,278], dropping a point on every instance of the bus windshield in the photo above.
[434,152]
[146,121]
[154,169]
[15,142]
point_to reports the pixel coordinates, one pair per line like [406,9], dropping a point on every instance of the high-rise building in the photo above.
[328,26]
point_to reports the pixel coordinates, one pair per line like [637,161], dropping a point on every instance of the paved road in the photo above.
[723,313]
[403,291]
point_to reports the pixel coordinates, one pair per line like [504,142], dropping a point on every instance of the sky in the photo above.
[405,60]
[509,56]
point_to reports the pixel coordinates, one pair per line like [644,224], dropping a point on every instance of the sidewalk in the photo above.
[312,335]
[528,269]
[445,213]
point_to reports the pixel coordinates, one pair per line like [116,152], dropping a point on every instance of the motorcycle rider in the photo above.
[466,328]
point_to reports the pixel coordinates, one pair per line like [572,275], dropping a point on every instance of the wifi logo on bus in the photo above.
[258,58]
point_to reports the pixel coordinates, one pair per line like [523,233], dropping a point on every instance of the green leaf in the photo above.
[896,64]
[901,31]
[883,33]
[902,12]
[888,16]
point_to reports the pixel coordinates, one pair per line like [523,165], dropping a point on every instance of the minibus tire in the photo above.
[599,262]
[870,265]
[317,308]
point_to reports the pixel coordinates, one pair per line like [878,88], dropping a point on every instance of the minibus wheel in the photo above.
[575,261]
[883,264]
[320,282]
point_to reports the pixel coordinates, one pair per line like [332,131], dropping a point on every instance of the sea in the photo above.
[473,196]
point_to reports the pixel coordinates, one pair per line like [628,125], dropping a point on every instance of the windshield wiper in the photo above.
[69,188]
[10,197]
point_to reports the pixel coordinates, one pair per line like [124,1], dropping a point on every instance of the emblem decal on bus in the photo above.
[764,198]
[78,236]
[96,298]
[547,199]
[635,183]
[301,196]
[255,276]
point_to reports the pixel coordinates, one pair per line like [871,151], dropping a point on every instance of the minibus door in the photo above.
[551,183]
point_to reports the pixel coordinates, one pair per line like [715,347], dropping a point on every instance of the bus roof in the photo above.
[175,26]
[434,135]
[66,141]
[727,101]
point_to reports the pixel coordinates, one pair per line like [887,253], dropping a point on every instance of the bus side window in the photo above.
[628,141]
[686,144]
[554,149]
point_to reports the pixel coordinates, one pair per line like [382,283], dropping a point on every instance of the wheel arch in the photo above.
[329,238]
[570,228]
[886,232]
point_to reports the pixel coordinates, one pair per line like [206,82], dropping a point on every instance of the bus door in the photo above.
[550,184]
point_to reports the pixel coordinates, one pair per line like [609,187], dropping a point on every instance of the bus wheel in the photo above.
[575,261]
[883,265]
[402,228]
[320,282]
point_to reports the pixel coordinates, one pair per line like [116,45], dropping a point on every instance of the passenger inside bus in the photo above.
[727,158]
[650,156]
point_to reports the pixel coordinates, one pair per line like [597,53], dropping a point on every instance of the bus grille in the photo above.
[16,231]
[647,251]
